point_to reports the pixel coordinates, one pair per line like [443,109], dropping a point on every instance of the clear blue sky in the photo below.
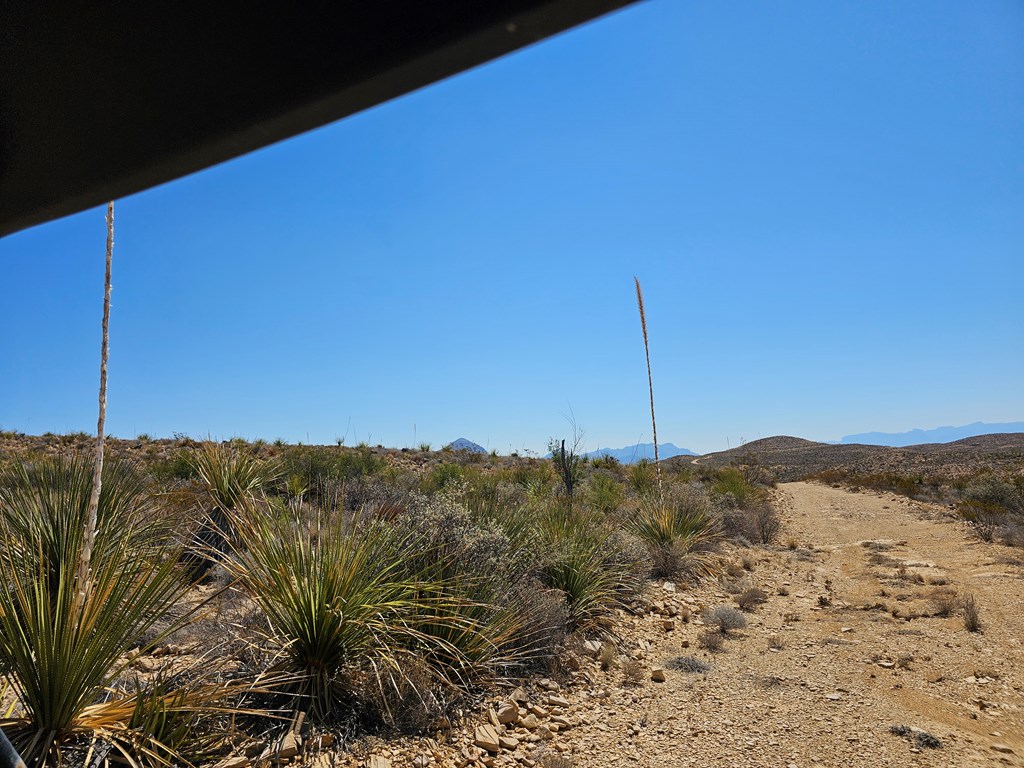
[824,203]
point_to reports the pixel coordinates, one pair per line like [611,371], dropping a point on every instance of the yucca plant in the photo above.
[582,560]
[342,610]
[62,650]
[45,505]
[230,476]
[676,531]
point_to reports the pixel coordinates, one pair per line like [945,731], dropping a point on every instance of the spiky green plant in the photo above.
[676,531]
[60,651]
[343,610]
[582,560]
[230,476]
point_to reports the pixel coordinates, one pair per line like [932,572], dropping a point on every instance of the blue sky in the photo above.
[824,203]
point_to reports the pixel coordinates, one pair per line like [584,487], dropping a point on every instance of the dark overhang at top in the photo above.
[101,100]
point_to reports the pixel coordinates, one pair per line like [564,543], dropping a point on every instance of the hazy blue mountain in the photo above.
[462,444]
[633,453]
[937,435]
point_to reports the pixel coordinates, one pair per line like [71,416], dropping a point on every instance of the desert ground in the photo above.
[844,650]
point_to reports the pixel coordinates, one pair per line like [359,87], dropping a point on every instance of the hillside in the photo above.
[792,458]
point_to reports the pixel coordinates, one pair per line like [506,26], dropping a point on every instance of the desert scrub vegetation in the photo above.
[373,590]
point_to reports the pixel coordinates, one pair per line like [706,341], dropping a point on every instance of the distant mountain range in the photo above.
[937,435]
[462,444]
[633,453]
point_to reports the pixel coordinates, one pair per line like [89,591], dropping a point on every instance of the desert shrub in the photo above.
[642,477]
[632,672]
[589,561]
[489,567]
[997,492]
[604,493]
[923,739]
[608,463]
[63,644]
[971,614]
[734,489]
[725,618]
[536,478]
[751,598]
[690,664]
[442,476]
[711,641]
[944,602]
[984,516]
[677,531]
[318,463]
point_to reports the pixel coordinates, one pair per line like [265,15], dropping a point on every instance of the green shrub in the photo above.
[592,564]
[642,477]
[604,493]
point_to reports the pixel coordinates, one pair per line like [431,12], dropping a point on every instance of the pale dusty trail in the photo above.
[846,671]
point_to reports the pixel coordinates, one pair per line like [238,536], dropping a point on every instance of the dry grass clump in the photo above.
[632,673]
[751,598]
[971,613]
[725,619]
[712,642]
[689,664]
[944,602]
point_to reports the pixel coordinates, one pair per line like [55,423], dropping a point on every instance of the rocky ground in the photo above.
[848,662]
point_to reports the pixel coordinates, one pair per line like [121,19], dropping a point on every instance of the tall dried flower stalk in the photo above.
[97,482]
[650,382]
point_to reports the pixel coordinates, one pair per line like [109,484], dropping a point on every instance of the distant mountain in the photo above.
[937,435]
[633,453]
[462,444]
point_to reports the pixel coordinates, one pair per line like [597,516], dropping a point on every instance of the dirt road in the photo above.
[847,646]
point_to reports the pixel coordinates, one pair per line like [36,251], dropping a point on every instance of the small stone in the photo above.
[548,685]
[658,675]
[592,648]
[518,696]
[420,761]
[529,722]
[486,737]
[1003,748]
[558,701]
[668,624]
[834,696]
[238,761]
[508,742]
[507,714]
[538,710]
[886,664]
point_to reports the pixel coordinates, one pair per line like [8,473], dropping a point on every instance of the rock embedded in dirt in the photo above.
[486,737]
[507,714]
[658,674]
